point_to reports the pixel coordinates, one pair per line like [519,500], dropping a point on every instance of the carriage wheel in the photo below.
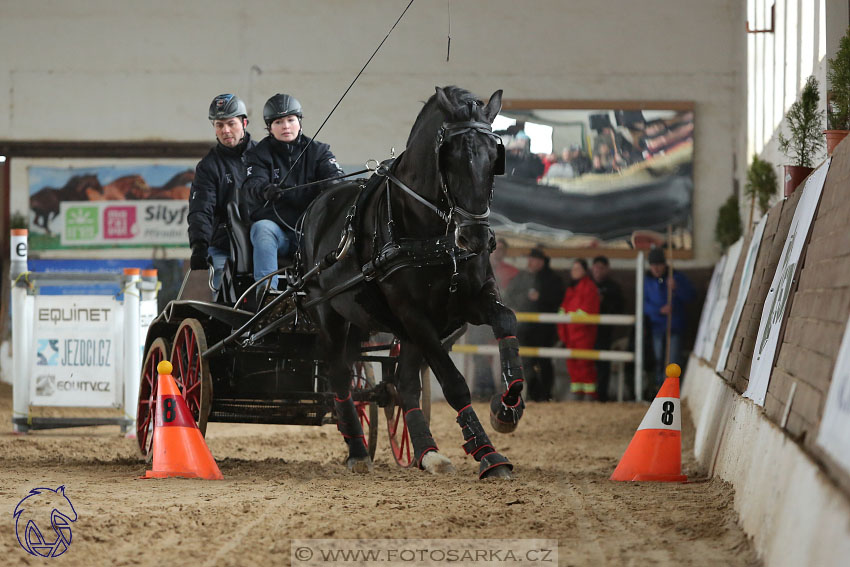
[364,379]
[191,371]
[148,388]
[400,443]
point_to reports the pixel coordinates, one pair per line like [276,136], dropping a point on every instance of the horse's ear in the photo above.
[494,105]
[443,103]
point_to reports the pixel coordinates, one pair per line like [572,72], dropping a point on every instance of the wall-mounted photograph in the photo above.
[596,175]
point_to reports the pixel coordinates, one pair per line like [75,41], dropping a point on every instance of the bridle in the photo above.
[448,131]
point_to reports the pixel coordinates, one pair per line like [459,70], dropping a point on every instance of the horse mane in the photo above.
[462,110]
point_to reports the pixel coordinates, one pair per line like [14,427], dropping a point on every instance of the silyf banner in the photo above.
[117,223]
[76,350]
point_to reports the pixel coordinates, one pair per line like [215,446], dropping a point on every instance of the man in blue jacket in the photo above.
[217,179]
[656,307]
[275,202]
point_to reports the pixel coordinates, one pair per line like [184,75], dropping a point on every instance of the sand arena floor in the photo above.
[284,482]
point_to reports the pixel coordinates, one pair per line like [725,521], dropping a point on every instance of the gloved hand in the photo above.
[272,192]
[199,258]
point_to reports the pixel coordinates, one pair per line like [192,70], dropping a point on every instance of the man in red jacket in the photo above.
[581,297]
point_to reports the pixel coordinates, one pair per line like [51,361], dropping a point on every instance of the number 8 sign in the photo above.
[664,413]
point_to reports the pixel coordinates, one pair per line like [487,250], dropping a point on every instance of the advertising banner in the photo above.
[78,352]
[103,205]
[834,434]
[743,290]
[708,307]
[156,222]
[780,287]
[719,308]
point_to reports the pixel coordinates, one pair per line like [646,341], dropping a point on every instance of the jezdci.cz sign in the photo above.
[77,352]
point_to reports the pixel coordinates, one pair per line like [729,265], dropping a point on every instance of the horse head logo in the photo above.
[31,515]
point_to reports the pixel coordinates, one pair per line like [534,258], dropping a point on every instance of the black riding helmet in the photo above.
[281,105]
[227,106]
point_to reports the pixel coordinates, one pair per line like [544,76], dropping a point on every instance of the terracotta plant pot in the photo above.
[833,138]
[794,175]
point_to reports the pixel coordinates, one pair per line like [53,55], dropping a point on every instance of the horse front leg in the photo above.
[426,454]
[476,443]
[506,409]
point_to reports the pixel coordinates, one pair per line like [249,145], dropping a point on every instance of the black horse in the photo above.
[422,239]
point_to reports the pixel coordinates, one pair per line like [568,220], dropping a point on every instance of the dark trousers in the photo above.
[603,367]
[539,377]
[603,374]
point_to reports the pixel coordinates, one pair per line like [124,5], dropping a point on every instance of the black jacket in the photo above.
[269,162]
[611,303]
[551,292]
[217,179]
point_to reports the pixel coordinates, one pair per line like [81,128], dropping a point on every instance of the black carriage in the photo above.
[233,366]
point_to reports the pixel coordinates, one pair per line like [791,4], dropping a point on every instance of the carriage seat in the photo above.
[241,251]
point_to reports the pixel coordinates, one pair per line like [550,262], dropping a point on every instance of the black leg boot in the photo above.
[491,463]
[506,408]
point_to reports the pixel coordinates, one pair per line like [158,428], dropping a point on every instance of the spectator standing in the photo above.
[538,289]
[581,297]
[657,309]
[611,302]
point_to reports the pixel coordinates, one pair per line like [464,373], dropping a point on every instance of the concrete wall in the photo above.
[115,70]
[790,495]
[784,501]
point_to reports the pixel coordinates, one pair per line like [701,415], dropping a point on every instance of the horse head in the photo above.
[468,156]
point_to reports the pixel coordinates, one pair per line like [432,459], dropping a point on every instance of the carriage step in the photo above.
[303,411]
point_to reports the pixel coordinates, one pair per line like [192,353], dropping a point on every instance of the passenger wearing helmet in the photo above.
[275,202]
[218,177]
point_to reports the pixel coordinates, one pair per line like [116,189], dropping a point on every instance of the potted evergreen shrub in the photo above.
[727,231]
[838,99]
[805,121]
[761,186]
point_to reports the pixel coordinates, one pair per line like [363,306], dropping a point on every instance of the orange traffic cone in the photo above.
[178,446]
[655,453]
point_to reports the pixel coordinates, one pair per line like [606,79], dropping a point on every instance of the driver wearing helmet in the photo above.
[274,201]
[217,179]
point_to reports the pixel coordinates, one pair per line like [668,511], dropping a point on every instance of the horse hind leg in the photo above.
[348,422]
[426,454]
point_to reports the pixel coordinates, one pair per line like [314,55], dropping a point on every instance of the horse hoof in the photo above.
[494,465]
[501,426]
[435,463]
[361,465]
[504,418]
[502,471]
